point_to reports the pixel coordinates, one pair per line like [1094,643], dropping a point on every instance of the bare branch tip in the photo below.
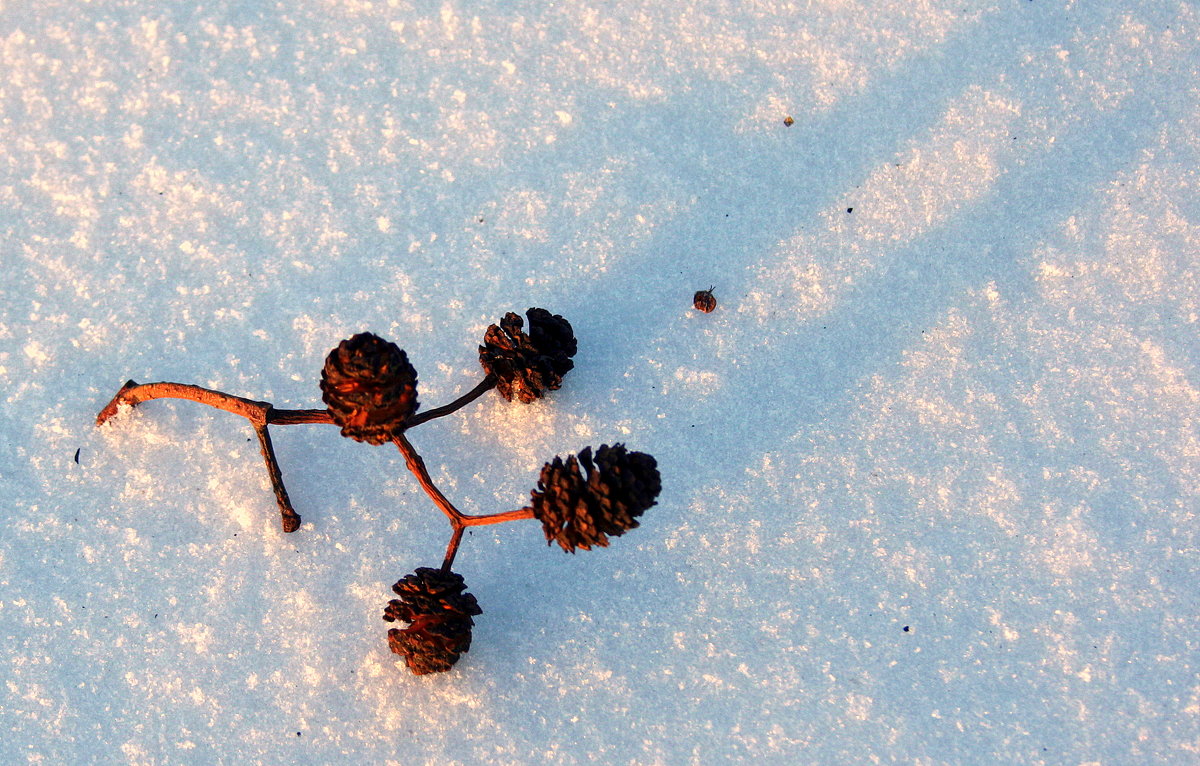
[114,406]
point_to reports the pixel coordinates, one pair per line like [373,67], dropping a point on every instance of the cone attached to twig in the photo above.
[369,387]
[439,612]
[527,365]
[580,511]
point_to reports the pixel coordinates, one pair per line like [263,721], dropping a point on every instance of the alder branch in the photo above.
[262,414]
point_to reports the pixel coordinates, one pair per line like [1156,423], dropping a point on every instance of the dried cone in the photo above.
[526,366]
[369,387]
[439,613]
[579,512]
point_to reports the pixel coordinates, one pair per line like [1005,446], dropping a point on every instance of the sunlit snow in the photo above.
[931,468]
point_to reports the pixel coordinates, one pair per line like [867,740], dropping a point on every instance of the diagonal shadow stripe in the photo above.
[873,324]
[767,184]
[772,184]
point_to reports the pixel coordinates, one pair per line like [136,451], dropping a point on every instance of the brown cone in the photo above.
[527,365]
[369,387]
[578,512]
[439,611]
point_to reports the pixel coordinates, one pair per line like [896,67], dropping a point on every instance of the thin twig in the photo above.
[134,393]
[452,548]
[258,413]
[485,385]
[289,517]
[497,518]
[416,465]
[297,417]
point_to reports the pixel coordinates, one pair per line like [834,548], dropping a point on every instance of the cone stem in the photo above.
[497,518]
[296,417]
[452,548]
[460,526]
[485,385]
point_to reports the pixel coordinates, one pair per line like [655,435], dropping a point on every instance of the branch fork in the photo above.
[263,414]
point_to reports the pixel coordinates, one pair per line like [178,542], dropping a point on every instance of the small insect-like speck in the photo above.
[704,300]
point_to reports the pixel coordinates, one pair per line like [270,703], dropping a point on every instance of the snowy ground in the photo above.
[930,469]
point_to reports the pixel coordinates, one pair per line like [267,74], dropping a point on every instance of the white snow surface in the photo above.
[930,469]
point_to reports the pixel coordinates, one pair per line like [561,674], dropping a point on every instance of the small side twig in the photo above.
[258,413]
[288,516]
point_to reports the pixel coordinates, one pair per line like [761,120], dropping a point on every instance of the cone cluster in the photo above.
[527,365]
[369,387]
[579,511]
[439,613]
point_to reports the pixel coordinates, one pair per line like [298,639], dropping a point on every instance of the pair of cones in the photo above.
[370,387]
